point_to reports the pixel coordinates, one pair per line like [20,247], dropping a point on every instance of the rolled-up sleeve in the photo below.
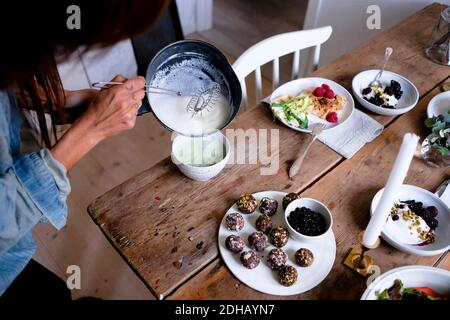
[34,189]
[46,182]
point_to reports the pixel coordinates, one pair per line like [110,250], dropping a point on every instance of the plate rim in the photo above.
[429,115]
[315,78]
[417,267]
[222,247]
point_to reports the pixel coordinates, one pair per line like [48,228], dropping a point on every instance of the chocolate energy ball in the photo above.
[234,221]
[268,206]
[264,223]
[289,198]
[250,259]
[247,204]
[288,275]
[234,243]
[276,259]
[257,240]
[304,257]
[279,236]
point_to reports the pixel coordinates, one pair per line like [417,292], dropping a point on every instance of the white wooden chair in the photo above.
[271,49]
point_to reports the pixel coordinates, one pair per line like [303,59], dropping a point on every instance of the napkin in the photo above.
[349,137]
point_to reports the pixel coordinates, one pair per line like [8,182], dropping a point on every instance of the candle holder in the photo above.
[358,260]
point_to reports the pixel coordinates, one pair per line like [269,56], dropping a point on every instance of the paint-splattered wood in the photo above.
[165,225]
[347,191]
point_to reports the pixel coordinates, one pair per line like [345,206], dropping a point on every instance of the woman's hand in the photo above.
[112,111]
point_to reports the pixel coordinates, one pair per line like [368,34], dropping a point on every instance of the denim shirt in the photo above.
[33,188]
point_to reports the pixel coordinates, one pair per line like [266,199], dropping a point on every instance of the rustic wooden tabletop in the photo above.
[165,225]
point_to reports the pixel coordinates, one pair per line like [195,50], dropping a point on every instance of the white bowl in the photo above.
[195,172]
[295,87]
[440,104]
[405,103]
[314,205]
[408,192]
[411,276]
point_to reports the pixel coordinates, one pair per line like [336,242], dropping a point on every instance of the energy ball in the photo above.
[289,198]
[264,223]
[234,221]
[279,236]
[288,275]
[276,259]
[250,259]
[234,243]
[257,240]
[304,257]
[247,204]
[268,206]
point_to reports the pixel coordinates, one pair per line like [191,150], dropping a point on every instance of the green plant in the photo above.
[440,133]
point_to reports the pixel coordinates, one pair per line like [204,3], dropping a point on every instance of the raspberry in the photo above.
[325,86]
[319,92]
[332,117]
[329,94]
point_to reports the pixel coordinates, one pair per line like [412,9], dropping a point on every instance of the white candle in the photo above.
[395,180]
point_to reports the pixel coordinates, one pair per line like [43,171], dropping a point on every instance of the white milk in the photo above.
[171,110]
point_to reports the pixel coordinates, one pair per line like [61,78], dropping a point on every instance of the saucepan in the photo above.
[188,66]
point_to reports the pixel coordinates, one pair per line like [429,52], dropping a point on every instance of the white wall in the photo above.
[348,19]
[195,15]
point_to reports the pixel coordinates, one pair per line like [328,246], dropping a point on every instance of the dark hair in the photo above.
[35,37]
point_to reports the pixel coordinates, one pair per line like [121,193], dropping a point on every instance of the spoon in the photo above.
[376,82]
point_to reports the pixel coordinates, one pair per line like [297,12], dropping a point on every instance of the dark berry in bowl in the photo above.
[307,222]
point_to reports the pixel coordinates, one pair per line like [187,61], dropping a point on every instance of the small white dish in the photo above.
[263,278]
[314,205]
[439,104]
[412,277]
[408,100]
[296,87]
[390,231]
[216,144]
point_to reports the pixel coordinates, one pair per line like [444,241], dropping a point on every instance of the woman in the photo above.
[34,185]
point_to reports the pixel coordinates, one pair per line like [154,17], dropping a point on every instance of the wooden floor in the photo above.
[238,24]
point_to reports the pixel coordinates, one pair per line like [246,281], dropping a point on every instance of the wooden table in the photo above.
[165,225]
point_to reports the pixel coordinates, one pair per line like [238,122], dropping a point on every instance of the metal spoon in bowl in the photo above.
[376,82]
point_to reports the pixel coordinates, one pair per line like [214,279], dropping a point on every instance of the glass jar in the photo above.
[438,50]
[433,156]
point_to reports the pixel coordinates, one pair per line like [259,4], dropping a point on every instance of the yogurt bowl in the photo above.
[201,158]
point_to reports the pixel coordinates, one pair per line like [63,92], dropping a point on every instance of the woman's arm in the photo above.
[112,111]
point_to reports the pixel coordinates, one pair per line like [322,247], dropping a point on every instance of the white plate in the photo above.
[408,192]
[405,103]
[411,276]
[264,279]
[440,104]
[296,87]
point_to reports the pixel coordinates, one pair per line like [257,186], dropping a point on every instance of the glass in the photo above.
[438,51]
[432,155]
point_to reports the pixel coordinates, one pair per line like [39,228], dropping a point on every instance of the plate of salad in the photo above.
[301,103]
[410,283]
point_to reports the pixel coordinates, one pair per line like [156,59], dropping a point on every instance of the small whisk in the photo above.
[149,89]
[203,99]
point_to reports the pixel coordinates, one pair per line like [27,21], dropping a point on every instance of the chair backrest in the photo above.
[271,49]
